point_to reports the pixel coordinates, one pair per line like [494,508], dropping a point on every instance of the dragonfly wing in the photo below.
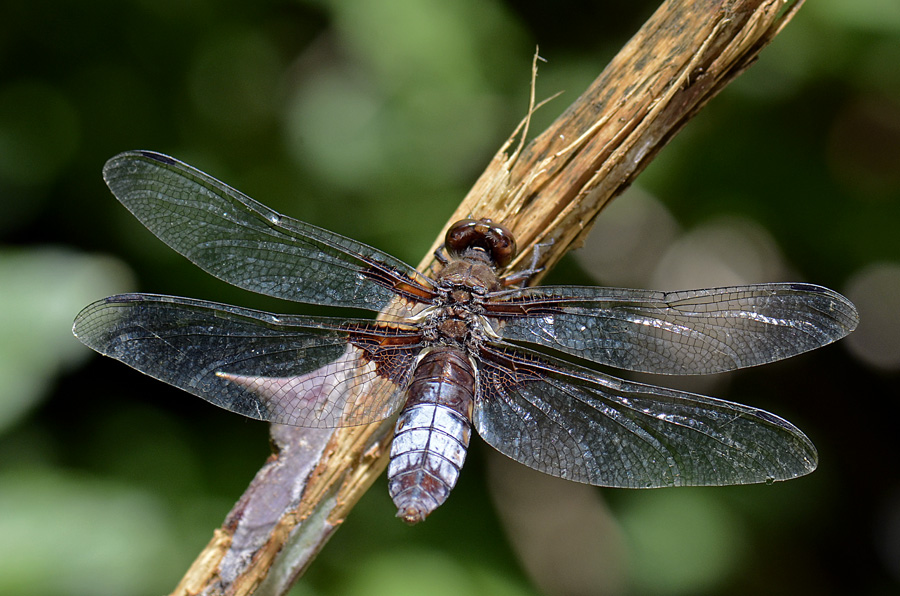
[243,242]
[690,332]
[303,371]
[588,427]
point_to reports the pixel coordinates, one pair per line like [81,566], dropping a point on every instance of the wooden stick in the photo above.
[548,193]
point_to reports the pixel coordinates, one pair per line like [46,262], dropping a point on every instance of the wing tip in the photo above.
[116,161]
[840,309]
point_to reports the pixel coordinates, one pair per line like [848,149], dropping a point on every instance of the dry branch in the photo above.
[548,194]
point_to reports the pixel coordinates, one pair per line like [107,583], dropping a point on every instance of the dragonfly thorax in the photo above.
[469,275]
[454,325]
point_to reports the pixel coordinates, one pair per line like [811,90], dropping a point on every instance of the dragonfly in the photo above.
[465,348]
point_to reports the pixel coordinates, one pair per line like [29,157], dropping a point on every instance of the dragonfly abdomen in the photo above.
[432,434]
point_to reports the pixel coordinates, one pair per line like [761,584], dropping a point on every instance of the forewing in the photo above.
[585,426]
[691,332]
[303,371]
[243,242]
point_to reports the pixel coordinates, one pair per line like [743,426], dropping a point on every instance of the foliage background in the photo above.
[372,119]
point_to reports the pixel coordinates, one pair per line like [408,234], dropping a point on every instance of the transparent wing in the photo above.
[303,371]
[243,242]
[589,427]
[690,332]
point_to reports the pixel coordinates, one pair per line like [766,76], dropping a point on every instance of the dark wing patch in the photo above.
[585,426]
[304,371]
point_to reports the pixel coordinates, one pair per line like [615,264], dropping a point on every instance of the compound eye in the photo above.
[491,238]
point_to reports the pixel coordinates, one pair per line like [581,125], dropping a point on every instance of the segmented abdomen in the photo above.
[432,434]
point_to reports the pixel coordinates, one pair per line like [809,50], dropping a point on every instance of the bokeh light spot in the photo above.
[876,293]
[682,541]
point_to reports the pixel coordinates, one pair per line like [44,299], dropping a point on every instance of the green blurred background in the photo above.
[373,119]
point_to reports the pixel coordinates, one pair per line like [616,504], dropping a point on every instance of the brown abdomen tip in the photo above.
[412,514]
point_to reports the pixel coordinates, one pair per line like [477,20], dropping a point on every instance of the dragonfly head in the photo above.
[483,239]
